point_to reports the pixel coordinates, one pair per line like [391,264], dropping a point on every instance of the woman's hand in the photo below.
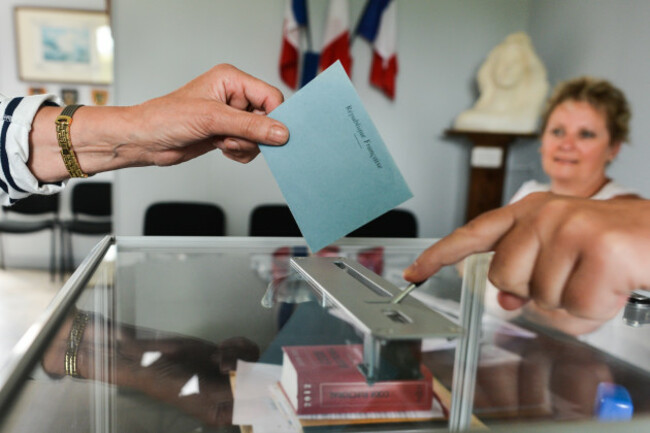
[186,372]
[224,108]
[584,256]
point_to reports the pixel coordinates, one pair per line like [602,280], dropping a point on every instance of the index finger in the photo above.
[479,235]
[246,91]
[262,96]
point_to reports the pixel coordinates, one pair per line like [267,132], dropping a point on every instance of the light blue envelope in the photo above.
[335,171]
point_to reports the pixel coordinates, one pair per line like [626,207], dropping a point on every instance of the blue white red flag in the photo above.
[336,42]
[295,23]
[378,25]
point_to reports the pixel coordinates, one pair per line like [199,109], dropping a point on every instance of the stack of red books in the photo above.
[326,380]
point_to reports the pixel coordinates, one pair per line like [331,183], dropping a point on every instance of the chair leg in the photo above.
[2,253]
[53,255]
[62,252]
[70,253]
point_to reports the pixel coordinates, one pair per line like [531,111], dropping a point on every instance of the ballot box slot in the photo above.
[363,280]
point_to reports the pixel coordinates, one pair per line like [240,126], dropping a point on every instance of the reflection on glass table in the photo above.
[159,334]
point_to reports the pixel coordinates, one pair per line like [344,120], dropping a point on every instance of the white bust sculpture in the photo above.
[513,87]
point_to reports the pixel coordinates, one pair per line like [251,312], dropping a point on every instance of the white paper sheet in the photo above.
[253,403]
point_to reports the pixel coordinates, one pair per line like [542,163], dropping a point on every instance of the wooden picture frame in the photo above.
[63,45]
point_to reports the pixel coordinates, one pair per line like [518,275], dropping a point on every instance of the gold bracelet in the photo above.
[76,334]
[63,123]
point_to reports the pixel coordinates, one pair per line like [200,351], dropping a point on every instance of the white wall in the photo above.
[161,44]
[608,39]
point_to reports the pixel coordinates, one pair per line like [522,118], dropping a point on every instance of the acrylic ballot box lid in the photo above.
[147,333]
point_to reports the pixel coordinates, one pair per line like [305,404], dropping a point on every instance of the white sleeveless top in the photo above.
[610,190]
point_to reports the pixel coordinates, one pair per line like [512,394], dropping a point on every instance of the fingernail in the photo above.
[278,134]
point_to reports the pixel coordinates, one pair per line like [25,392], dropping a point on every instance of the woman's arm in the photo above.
[224,109]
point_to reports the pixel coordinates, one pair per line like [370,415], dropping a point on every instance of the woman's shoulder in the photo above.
[529,187]
[613,189]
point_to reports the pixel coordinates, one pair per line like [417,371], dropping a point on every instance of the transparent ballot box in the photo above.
[229,334]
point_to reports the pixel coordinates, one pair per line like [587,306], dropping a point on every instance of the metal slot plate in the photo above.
[366,298]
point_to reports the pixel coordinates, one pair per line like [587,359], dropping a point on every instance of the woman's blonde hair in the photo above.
[602,96]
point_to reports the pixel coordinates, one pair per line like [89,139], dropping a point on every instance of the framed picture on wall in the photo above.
[63,45]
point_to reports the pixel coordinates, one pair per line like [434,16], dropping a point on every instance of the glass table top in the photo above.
[187,335]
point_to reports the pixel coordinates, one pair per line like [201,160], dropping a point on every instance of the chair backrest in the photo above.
[92,198]
[35,205]
[273,220]
[184,219]
[396,223]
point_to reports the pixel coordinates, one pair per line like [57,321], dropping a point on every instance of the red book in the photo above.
[326,380]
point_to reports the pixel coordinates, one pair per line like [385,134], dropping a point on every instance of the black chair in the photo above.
[395,223]
[40,212]
[273,220]
[92,214]
[184,219]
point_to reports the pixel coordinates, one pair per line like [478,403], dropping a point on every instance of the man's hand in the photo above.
[585,256]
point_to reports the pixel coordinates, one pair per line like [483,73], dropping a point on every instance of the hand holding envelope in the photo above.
[335,171]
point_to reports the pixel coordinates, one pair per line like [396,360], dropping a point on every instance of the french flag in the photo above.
[295,19]
[336,42]
[379,25]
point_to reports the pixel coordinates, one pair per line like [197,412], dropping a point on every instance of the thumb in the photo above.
[509,301]
[256,128]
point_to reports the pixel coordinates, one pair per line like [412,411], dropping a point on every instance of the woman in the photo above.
[585,122]
[583,127]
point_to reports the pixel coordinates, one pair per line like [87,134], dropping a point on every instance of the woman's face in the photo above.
[576,145]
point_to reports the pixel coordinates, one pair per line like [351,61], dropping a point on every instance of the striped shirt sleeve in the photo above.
[16,180]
